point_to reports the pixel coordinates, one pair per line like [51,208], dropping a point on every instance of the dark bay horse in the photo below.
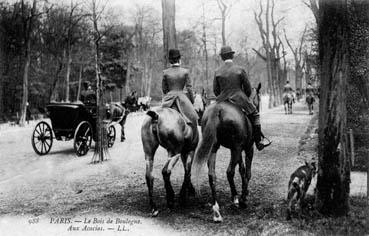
[117,113]
[288,99]
[224,124]
[167,127]
[310,102]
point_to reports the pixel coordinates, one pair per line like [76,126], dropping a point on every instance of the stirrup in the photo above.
[269,142]
[260,146]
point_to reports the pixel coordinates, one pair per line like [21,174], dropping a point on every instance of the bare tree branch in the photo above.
[259,54]
[314,7]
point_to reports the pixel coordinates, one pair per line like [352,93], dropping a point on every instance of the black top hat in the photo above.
[226,50]
[174,54]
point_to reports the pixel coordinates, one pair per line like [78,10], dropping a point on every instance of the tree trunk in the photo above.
[223,29]
[101,149]
[169,28]
[206,55]
[270,81]
[2,74]
[67,77]
[206,69]
[27,61]
[25,85]
[54,95]
[128,77]
[298,76]
[333,183]
[79,82]
[149,84]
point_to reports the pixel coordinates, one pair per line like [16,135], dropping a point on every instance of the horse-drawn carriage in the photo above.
[75,121]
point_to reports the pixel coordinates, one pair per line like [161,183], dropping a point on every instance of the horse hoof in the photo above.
[154,213]
[236,202]
[217,219]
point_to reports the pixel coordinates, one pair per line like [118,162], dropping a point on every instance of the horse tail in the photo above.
[203,151]
[154,121]
[296,186]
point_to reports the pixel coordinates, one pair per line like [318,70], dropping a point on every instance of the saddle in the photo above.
[174,103]
[247,116]
[176,106]
[236,105]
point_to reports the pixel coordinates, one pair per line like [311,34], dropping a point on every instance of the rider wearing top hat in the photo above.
[177,89]
[231,84]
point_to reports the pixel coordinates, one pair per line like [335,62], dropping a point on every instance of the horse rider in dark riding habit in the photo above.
[231,84]
[175,80]
[309,89]
[287,87]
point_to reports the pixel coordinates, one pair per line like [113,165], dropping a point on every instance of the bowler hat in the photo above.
[174,54]
[226,50]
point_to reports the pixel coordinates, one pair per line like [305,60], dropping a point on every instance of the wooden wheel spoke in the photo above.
[43,128]
[48,144]
[39,144]
[88,129]
[42,147]
[37,130]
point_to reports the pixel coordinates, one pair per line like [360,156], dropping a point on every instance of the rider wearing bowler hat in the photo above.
[231,84]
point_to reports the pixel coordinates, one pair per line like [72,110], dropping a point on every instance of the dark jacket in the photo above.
[309,90]
[287,88]
[175,80]
[231,83]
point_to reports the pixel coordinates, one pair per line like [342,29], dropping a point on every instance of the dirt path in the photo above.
[62,185]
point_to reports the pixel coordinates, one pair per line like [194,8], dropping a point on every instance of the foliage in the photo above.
[358,93]
[133,47]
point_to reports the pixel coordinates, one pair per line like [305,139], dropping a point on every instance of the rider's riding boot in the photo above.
[256,128]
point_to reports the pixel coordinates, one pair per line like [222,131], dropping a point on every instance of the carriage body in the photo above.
[65,117]
[75,121]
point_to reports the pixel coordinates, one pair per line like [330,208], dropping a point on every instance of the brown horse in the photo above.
[117,113]
[288,99]
[224,124]
[310,102]
[166,127]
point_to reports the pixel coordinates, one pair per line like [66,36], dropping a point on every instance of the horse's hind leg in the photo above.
[122,123]
[217,217]
[248,161]
[150,183]
[235,159]
[150,145]
[291,108]
[187,187]
[167,170]
[242,170]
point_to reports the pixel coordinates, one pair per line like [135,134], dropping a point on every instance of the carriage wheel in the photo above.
[42,138]
[111,136]
[82,138]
